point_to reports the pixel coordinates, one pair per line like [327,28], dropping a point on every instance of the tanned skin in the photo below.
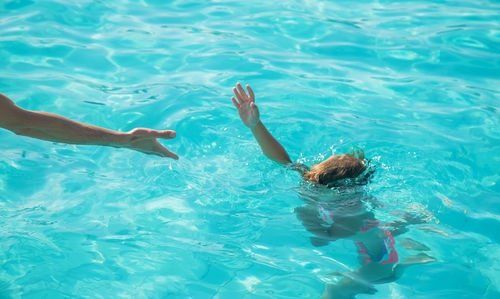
[53,127]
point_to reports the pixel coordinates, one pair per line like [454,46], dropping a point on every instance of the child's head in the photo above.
[335,168]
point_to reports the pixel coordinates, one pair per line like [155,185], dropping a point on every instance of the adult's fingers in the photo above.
[165,134]
[158,149]
[167,153]
[164,152]
[236,104]
[250,92]
[139,133]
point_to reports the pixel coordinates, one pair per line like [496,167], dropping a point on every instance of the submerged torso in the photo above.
[332,214]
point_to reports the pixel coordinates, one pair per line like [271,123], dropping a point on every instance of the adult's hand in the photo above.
[145,141]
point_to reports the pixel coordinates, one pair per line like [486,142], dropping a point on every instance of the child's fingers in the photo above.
[242,91]
[238,95]
[250,92]
[236,104]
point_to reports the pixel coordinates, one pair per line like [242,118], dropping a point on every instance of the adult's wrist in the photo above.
[120,139]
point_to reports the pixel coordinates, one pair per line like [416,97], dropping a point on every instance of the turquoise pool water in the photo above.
[413,83]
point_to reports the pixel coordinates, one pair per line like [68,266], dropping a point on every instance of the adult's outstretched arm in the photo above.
[53,127]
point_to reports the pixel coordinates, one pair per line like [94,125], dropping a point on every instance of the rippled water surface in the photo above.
[413,83]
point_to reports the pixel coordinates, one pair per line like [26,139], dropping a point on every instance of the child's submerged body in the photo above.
[344,215]
[341,216]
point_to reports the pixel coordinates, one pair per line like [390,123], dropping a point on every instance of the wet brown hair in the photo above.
[336,167]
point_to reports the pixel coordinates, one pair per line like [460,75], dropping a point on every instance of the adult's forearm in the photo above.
[52,127]
[269,145]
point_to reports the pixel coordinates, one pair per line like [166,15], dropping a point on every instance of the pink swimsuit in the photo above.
[388,253]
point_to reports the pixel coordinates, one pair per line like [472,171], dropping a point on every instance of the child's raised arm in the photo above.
[249,114]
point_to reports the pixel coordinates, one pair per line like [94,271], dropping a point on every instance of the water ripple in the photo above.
[413,83]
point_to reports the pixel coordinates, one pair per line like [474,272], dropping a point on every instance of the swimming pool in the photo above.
[413,83]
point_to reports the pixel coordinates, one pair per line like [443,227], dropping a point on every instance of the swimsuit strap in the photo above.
[326,216]
[388,253]
[389,245]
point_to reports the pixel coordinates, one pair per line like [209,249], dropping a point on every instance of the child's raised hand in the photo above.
[249,113]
